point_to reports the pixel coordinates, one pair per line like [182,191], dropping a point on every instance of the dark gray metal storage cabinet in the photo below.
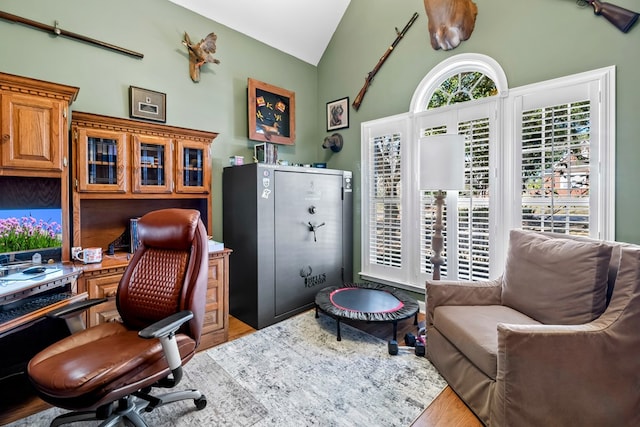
[291,232]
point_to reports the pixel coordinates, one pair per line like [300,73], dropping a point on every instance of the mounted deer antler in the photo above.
[450,22]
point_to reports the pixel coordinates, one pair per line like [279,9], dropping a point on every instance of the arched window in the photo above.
[460,78]
[531,161]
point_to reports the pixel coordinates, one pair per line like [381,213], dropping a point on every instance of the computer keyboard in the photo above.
[30,304]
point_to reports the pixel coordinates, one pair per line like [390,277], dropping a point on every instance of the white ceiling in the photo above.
[301,28]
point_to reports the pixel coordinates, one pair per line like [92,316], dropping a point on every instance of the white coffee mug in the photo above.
[75,251]
[89,255]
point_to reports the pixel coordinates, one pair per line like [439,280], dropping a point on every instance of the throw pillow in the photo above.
[556,280]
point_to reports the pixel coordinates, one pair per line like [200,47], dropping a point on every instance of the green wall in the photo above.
[532,41]
[155,28]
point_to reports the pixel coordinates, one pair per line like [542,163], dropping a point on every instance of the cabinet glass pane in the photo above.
[103,160]
[152,164]
[193,172]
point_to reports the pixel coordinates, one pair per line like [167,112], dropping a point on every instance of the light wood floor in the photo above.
[447,410]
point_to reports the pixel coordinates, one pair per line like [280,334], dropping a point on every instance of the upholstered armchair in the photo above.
[555,341]
[108,372]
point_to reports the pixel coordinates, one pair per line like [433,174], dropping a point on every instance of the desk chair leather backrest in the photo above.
[168,272]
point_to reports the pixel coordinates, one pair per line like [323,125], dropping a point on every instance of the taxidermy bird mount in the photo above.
[200,53]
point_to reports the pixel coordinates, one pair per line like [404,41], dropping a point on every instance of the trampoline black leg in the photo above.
[395,330]
[415,319]
[338,325]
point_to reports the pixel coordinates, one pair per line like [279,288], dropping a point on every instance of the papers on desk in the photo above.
[16,282]
[215,246]
[22,276]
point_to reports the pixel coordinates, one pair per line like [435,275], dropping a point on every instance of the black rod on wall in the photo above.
[60,32]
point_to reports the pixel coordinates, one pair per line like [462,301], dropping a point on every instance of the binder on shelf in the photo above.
[133,231]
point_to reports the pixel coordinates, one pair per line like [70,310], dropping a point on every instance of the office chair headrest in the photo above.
[168,228]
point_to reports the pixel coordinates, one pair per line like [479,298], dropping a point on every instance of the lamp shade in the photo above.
[442,162]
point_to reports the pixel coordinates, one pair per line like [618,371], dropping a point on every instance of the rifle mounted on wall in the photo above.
[57,31]
[622,18]
[372,73]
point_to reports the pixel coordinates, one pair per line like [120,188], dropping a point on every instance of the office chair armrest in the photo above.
[167,326]
[165,331]
[71,313]
[74,308]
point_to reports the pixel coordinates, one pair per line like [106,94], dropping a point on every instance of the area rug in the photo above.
[295,373]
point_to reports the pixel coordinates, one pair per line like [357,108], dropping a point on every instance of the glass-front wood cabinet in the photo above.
[103,160]
[193,174]
[152,164]
[124,168]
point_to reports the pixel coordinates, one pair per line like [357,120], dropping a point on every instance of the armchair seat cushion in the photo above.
[473,330]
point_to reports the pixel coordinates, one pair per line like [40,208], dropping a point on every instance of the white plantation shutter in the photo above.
[385,203]
[474,234]
[564,155]
[555,168]
[466,220]
[428,218]
[384,254]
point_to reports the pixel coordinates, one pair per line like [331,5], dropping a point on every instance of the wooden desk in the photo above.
[97,280]
[13,293]
[24,335]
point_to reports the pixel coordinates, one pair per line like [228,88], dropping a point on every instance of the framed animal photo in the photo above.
[338,114]
[272,113]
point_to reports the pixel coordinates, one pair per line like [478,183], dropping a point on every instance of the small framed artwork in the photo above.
[338,114]
[272,113]
[147,104]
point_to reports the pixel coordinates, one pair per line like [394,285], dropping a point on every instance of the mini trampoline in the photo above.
[369,302]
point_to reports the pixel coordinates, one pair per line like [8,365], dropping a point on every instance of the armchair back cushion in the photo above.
[556,281]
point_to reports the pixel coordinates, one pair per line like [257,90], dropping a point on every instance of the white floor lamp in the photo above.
[441,169]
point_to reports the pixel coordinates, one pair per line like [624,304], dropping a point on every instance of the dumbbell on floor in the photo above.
[409,339]
[418,348]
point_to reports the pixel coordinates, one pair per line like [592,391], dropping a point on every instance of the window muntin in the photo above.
[474,238]
[462,87]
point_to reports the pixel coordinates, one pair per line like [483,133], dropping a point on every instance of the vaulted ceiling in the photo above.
[301,28]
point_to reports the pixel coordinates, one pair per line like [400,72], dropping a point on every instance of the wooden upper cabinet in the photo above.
[31,133]
[158,159]
[193,174]
[153,164]
[101,160]
[124,168]
[33,118]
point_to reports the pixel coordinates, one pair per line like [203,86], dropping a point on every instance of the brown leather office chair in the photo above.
[108,372]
